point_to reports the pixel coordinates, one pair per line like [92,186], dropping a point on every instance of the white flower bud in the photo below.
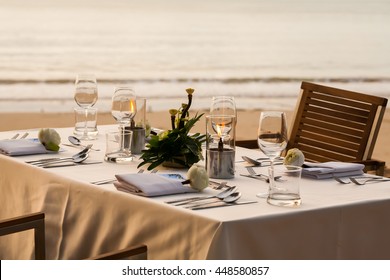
[49,138]
[294,157]
[198,177]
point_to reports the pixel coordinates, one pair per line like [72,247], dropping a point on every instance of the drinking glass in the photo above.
[272,136]
[223,105]
[85,95]
[123,109]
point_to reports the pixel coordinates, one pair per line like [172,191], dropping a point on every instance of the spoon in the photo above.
[75,159]
[77,142]
[39,161]
[220,195]
[228,199]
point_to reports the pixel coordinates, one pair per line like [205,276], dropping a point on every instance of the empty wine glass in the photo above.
[223,105]
[85,95]
[123,109]
[272,136]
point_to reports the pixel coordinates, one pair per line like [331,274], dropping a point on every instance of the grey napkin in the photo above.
[146,184]
[19,147]
[327,170]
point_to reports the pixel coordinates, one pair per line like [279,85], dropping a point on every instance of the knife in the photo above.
[222,204]
[52,165]
[256,177]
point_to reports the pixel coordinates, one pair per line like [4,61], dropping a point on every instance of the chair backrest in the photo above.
[35,221]
[332,124]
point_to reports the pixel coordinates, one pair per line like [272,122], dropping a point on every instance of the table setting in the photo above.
[195,211]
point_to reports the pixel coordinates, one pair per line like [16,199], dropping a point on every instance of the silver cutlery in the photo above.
[360,181]
[262,158]
[342,180]
[348,180]
[228,199]
[77,143]
[255,177]
[103,182]
[218,186]
[258,163]
[24,135]
[15,136]
[75,159]
[183,201]
[53,165]
[222,204]
[38,161]
[21,137]
[252,172]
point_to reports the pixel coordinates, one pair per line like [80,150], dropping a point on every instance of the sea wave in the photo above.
[56,95]
[241,80]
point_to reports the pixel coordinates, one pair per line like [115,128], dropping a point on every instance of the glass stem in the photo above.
[122,128]
[86,124]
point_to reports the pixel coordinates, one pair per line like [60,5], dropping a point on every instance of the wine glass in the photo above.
[123,109]
[223,105]
[85,95]
[272,135]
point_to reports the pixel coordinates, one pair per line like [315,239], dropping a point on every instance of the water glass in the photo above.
[284,185]
[86,123]
[118,146]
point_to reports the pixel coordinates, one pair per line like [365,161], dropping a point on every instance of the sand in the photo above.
[246,128]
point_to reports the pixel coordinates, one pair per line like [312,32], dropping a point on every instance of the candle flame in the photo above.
[220,128]
[132,106]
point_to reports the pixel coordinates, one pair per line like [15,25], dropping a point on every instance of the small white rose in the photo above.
[49,138]
[294,157]
[198,177]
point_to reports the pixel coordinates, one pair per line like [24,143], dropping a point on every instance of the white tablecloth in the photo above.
[335,221]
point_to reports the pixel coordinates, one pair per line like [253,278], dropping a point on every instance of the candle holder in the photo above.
[220,146]
[138,126]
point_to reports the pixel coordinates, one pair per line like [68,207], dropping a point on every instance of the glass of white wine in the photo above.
[272,136]
[86,95]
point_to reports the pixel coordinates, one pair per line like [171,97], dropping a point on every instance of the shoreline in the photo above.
[246,128]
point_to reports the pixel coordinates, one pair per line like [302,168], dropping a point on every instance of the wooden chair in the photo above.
[332,124]
[36,221]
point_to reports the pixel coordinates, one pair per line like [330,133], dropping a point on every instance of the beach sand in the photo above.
[246,127]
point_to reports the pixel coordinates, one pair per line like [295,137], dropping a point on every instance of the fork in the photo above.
[21,137]
[363,182]
[252,172]
[342,180]
[349,180]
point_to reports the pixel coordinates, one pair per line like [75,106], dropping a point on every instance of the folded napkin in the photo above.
[327,170]
[150,184]
[19,147]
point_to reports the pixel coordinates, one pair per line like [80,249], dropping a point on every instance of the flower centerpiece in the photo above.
[176,147]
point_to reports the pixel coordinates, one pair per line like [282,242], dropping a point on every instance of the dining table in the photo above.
[334,221]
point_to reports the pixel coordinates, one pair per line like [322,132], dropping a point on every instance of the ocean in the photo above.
[258,51]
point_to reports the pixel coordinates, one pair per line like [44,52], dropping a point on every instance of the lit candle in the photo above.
[220,160]
[220,143]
